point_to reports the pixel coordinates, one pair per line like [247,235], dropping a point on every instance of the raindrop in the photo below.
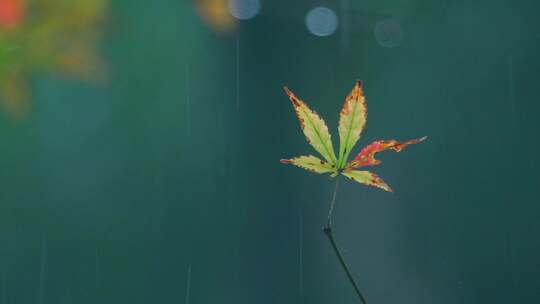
[344,17]
[238,71]
[42,269]
[4,289]
[188,102]
[188,284]
[388,33]
[96,265]
[322,21]
[301,256]
[244,9]
[511,84]
[68,287]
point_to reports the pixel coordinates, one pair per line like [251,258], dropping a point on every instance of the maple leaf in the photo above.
[352,119]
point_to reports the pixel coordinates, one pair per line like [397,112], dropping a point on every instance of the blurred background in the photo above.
[140,145]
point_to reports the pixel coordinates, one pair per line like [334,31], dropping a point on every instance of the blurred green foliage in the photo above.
[47,36]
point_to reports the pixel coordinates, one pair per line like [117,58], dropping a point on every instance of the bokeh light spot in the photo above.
[244,9]
[321,21]
[388,33]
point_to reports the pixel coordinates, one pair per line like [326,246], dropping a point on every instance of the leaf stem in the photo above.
[332,203]
[329,233]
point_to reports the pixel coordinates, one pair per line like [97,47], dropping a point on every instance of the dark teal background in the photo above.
[108,193]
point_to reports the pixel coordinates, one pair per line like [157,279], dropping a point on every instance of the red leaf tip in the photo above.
[287,91]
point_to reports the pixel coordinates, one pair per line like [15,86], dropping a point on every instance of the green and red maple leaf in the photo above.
[352,120]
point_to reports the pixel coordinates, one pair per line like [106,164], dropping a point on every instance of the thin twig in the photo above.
[329,233]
